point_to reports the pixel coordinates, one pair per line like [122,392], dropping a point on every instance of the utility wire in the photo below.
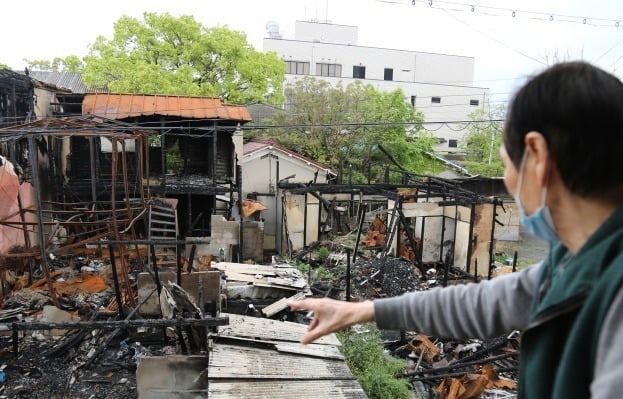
[492,11]
[494,39]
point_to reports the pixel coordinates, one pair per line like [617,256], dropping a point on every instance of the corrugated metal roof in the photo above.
[260,143]
[121,106]
[63,80]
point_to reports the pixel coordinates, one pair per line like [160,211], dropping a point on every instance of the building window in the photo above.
[453,143]
[359,72]
[413,101]
[473,102]
[329,70]
[297,67]
[435,100]
[389,74]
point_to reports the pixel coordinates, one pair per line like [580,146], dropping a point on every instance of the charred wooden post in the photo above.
[347,274]
[178,263]
[152,250]
[34,159]
[515,262]
[115,279]
[492,241]
[15,340]
[22,217]
[93,172]
[113,202]
[191,257]
[241,228]
[471,239]
[362,213]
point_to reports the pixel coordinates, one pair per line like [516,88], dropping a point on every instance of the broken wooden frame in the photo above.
[455,226]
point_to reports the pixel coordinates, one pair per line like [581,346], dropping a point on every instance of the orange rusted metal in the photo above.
[121,106]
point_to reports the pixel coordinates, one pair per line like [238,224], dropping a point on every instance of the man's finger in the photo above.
[296,305]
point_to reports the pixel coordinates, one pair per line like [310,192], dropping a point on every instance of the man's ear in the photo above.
[537,156]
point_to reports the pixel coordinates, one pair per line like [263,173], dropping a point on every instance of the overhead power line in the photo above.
[491,11]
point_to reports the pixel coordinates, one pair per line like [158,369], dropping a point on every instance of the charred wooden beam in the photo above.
[114,324]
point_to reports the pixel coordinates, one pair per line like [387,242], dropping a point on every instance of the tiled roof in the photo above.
[120,106]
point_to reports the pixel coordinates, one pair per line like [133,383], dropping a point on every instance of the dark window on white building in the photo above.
[473,102]
[297,67]
[435,100]
[323,69]
[359,72]
[388,74]
[453,143]
[413,98]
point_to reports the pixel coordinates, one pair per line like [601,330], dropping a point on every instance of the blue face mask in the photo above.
[540,223]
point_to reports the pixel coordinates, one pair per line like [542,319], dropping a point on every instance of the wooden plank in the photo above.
[238,362]
[268,329]
[256,269]
[281,304]
[323,351]
[314,350]
[218,389]
[266,282]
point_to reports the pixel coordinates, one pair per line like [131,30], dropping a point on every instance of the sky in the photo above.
[507,49]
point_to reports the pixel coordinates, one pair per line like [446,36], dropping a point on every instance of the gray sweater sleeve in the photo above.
[483,310]
[609,362]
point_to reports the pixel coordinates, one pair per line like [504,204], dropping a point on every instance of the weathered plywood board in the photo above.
[463,213]
[295,215]
[268,329]
[175,376]
[418,209]
[483,224]
[281,304]
[323,351]
[190,283]
[314,350]
[286,389]
[313,216]
[238,362]
[461,245]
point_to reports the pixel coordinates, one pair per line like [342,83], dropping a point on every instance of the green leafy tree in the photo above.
[71,63]
[178,55]
[482,143]
[352,150]
[4,66]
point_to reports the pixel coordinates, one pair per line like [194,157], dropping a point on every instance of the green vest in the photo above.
[572,298]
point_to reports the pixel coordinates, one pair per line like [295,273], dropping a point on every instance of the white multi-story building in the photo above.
[439,85]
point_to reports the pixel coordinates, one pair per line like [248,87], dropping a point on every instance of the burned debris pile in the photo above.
[128,254]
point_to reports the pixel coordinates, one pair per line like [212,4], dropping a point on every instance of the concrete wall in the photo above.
[260,176]
[43,108]
[225,234]
[419,74]
[408,66]
[325,32]
[253,241]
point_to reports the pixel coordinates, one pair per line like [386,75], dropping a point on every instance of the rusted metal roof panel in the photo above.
[121,106]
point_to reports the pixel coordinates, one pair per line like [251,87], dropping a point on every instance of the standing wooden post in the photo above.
[115,279]
[113,202]
[34,163]
[347,274]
